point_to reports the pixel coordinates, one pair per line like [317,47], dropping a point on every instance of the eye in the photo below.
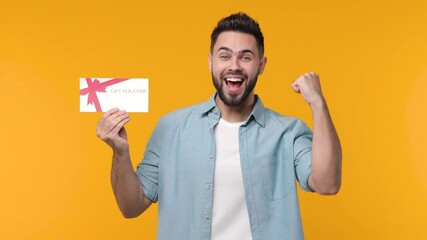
[224,57]
[246,58]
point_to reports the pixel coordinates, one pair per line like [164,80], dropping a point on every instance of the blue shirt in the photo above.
[178,169]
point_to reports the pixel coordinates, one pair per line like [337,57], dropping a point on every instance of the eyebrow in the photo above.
[241,51]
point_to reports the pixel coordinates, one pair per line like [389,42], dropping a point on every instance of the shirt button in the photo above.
[211,157]
[207,217]
[208,186]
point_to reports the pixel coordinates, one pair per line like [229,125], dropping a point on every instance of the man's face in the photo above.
[235,64]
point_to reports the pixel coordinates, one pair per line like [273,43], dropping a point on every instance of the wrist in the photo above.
[318,103]
[121,153]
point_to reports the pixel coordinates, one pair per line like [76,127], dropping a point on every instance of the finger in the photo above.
[107,124]
[316,75]
[111,131]
[100,126]
[120,125]
[118,117]
[115,119]
[108,113]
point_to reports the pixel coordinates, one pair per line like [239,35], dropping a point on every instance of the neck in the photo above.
[238,113]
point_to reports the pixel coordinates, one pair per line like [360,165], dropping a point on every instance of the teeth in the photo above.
[234,79]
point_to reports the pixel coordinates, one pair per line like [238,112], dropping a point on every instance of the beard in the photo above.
[234,100]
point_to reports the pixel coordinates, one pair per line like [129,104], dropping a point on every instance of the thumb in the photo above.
[295,86]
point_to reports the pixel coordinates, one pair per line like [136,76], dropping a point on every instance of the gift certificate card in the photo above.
[103,94]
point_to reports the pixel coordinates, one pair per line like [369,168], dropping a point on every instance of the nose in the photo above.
[235,64]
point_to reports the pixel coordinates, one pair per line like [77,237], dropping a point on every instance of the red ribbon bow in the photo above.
[96,86]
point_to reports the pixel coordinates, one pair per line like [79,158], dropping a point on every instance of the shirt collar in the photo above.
[258,112]
[207,106]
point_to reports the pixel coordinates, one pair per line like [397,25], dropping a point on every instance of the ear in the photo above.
[262,65]
[210,62]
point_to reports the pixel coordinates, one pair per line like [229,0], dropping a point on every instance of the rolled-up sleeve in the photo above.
[302,155]
[148,169]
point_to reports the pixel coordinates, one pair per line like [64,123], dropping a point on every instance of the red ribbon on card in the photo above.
[97,86]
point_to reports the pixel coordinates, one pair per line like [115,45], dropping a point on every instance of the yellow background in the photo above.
[371,56]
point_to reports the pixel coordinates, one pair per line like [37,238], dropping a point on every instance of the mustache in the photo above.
[235,73]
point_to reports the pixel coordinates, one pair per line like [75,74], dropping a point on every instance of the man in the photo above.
[227,168]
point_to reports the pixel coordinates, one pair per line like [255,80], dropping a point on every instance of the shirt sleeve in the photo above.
[302,155]
[148,169]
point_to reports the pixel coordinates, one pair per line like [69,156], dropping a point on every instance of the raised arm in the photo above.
[326,159]
[127,189]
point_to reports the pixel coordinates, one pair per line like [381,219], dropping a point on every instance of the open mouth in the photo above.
[234,83]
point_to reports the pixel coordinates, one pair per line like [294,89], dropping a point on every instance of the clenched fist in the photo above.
[308,85]
[111,130]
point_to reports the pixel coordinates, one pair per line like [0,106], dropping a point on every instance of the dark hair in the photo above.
[239,22]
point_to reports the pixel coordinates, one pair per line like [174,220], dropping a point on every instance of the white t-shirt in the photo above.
[230,220]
